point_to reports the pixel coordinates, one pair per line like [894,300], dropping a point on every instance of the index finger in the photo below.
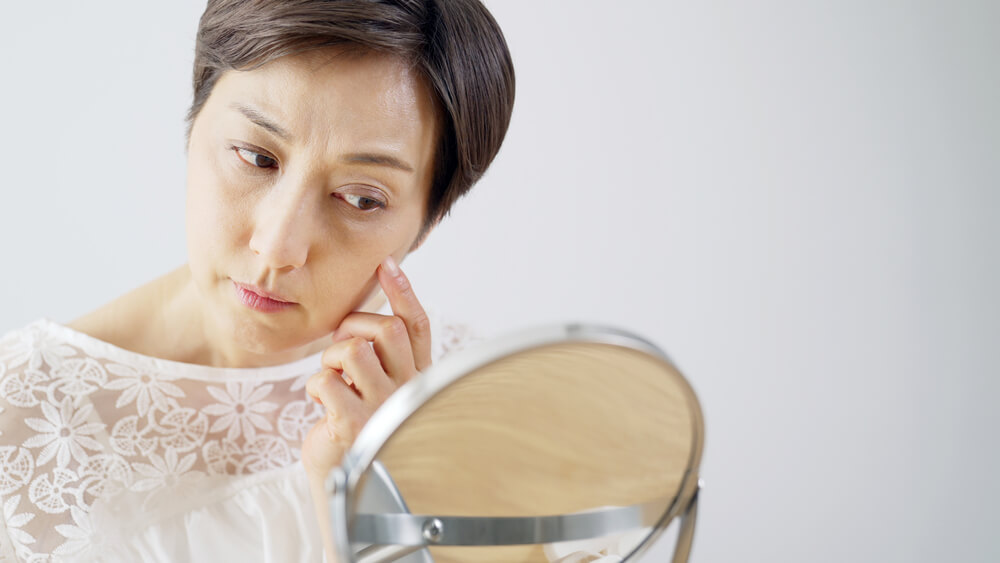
[405,305]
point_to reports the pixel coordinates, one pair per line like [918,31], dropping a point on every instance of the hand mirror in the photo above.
[567,443]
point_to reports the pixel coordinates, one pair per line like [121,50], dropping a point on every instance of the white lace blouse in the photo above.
[110,455]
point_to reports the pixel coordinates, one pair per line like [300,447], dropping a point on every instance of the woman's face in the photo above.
[303,175]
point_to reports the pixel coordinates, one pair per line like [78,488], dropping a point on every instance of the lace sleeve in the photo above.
[448,336]
[6,547]
[15,462]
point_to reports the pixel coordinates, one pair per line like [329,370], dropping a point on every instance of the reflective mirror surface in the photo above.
[561,445]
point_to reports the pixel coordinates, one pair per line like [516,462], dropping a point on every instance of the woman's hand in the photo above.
[357,377]
[371,356]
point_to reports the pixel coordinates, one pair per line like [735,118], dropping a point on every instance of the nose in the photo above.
[282,233]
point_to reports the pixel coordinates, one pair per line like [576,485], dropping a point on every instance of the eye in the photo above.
[362,202]
[255,159]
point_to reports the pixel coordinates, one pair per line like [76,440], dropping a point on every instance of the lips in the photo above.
[260,299]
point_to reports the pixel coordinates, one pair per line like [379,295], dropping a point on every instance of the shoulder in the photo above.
[139,320]
[38,363]
[123,322]
[37,367]
[35,346]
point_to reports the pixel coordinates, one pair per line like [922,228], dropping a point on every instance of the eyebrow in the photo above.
[380,159]
[257,117]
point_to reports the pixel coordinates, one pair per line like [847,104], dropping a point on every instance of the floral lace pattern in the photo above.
[84,424]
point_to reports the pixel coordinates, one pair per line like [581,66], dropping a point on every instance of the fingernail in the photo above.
[390,266]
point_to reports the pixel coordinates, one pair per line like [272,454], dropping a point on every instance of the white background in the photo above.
[797,200]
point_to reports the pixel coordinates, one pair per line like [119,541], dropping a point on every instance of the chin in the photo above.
[263,339]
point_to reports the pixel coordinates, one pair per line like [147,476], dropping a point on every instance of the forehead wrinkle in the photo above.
[399,114]
[296,84]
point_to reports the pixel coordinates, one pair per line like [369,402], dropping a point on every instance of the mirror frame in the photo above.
[343,481]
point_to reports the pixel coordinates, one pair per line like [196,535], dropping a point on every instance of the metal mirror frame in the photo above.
[342,482]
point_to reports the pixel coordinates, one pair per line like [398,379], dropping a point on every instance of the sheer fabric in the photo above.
[110,455]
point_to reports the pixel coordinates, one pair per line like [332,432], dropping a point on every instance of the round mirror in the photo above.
[566,444]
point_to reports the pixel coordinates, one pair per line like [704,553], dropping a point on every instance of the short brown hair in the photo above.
[455,44]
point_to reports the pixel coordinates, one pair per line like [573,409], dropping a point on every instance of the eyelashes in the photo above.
[254,158]
[263,162]
[361,202]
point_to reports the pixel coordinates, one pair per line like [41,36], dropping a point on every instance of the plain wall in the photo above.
[797,200]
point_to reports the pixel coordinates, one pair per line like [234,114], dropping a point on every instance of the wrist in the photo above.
[317,476]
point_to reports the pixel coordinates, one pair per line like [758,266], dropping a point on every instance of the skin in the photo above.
[318,218]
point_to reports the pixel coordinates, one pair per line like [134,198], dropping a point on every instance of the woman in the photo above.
[325,140]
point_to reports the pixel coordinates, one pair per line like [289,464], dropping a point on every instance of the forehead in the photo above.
[332,97]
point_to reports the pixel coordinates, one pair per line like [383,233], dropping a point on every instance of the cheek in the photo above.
[348,271]
[212,222]
[211,216]
[348,263]
[371,245]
